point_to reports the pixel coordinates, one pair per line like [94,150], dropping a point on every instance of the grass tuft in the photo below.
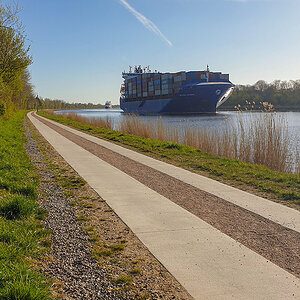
[105,250]
[135,271]
[16,207]
[123,279]
[82,218]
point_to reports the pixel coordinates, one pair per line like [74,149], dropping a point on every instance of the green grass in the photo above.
[281,186]
[123,279]
[69,182]
[22,237]
[104,250]
[82,218]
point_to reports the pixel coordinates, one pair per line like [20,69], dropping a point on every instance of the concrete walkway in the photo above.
[275,212]
[208,263]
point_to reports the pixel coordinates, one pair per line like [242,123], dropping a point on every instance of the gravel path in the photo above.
[72,263]
[273,241]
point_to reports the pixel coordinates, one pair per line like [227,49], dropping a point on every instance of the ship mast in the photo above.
[207,73]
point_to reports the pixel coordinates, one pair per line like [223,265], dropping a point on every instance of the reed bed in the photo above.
[258,138]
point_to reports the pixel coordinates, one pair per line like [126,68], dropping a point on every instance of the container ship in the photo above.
[108,105]
[193,92]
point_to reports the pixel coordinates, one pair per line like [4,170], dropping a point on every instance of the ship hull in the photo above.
[202,98]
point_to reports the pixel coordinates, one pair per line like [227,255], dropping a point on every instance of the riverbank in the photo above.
[260,180]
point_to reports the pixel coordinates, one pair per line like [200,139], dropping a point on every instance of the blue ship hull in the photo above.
[196,98]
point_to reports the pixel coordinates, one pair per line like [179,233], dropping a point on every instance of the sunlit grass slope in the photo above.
[21,233]
[274,184]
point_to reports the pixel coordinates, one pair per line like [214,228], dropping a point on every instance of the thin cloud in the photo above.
[146,22]
[250,0]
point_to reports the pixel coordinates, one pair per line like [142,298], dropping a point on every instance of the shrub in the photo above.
[16,207]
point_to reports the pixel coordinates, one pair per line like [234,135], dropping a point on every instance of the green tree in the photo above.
[284,95]
[14,58]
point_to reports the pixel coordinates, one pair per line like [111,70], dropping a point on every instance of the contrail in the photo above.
[146,22]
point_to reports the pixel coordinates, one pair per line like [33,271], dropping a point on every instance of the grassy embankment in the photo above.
[23,239]
[256,178]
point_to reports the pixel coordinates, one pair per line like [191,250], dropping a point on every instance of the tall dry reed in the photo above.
[270,142]
[132,125]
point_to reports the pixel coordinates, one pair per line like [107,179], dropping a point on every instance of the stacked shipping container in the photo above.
[151,85]
[166,84]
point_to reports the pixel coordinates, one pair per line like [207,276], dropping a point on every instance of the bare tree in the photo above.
[261,85]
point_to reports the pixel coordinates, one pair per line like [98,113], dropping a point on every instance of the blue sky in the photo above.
[81,47]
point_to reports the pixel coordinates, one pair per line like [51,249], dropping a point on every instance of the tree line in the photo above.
[284,95]
[61,104]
